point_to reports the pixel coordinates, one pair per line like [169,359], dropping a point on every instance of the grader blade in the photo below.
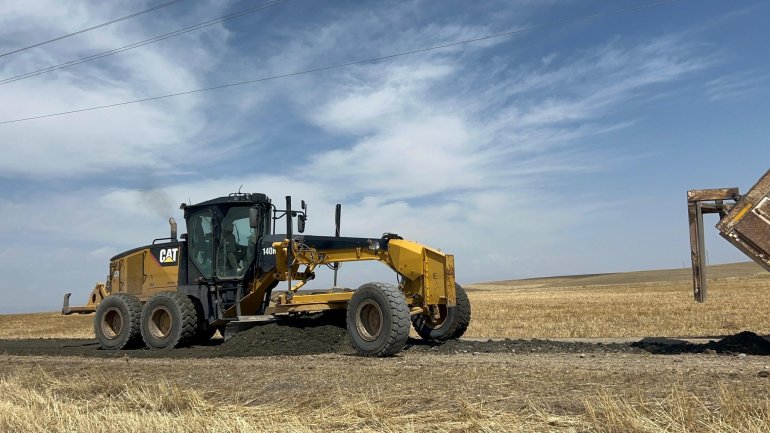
[246,322]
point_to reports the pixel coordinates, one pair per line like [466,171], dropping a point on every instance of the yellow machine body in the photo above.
[428,277]
[141,274]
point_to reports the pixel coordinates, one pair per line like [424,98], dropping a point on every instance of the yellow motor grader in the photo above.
[226,270]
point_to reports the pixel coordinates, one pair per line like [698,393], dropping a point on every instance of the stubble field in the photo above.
[518,386]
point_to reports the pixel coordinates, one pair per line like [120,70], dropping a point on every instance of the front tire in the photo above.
[116,323]
[378,320]
[169,320]
[453,323]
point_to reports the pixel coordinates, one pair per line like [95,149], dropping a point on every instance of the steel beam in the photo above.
[697,250]
[712,194]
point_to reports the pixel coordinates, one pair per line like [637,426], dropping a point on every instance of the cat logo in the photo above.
[167,256]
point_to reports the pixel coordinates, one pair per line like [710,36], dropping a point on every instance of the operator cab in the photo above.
[220,237]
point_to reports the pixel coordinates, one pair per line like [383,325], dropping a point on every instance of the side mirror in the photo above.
[301,218]
[253,218]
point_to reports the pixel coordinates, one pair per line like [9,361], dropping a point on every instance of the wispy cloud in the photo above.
[738,85]
[447,124]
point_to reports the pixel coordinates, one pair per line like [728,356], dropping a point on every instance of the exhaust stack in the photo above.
[172,223]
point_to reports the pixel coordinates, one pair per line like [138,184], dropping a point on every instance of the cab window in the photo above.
[236,244]
[201,241]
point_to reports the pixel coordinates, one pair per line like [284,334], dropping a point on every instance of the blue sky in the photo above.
[558,151]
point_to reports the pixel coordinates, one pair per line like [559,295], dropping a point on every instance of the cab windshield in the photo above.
[236,244]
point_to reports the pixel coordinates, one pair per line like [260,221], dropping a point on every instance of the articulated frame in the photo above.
[427,277]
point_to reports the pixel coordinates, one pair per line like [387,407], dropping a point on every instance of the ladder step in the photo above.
[257,318]
[324,291]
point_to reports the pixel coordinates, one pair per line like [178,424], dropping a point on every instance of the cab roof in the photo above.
[243,199]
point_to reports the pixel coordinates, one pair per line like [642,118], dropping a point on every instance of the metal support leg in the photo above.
[697,251]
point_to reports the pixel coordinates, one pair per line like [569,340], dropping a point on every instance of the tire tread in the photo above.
[460,322]
[399,320]
[188,316]
[134,318]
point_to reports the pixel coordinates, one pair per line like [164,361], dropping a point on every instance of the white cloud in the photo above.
[152,136]
[388,95]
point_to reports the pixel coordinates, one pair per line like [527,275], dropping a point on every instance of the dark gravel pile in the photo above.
[744,342]
[297,337]
[293,338]
[516,346]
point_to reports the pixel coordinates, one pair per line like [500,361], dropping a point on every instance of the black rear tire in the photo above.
[169,319]
[117,320]
[454,323]
[378,320]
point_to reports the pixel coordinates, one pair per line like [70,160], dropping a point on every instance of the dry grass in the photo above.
[605,311]
[418,392]
[46,325]
[681,411]
[621,310]
[40,402]
[336,393]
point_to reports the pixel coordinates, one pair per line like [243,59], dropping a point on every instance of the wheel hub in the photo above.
[369,320]
[160,323]
[112,323]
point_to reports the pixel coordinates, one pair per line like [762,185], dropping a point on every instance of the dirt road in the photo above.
[315,337]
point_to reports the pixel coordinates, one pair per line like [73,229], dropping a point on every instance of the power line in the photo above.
[356,62]
[136,14]
[144,42]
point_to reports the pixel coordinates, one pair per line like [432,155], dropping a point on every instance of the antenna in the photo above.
[337,214]
[239,189]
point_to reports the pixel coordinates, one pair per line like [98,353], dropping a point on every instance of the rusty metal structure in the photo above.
[744,220]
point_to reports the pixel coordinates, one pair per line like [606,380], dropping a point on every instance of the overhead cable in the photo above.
[136,14]
[342,65]
[142,43]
